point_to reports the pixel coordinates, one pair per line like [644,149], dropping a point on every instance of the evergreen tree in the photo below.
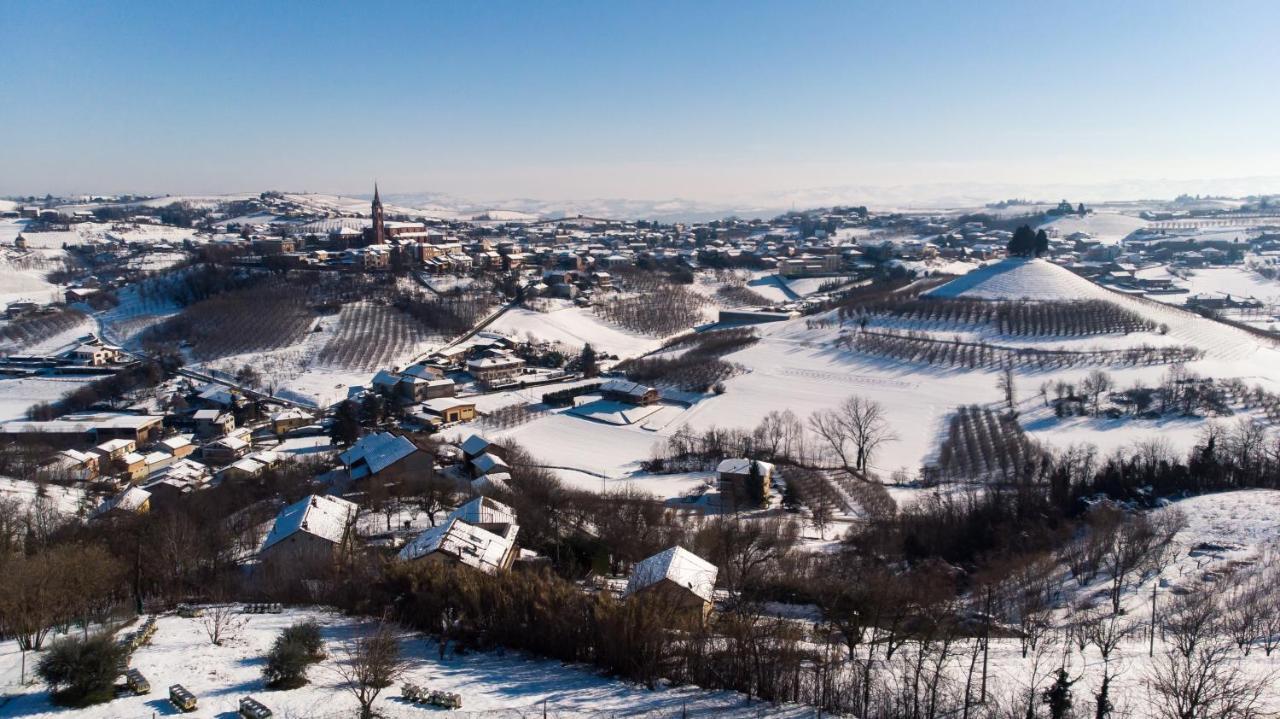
[1058,696]
[1080,209]
[1042,243]
[755,485]
[346,424]
[590,366]
[1023,243]
[792,497]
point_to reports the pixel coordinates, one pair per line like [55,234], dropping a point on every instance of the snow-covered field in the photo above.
[17,394]
[572,326]
[1107,227]
[798,366]
[1238,281]
[489,683]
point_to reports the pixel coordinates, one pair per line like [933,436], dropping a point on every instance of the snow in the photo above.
[1106,227]
[1239,282]
[678,565]
[18,394]
[1021,278]
[321,515]
[573,326]
[489,682]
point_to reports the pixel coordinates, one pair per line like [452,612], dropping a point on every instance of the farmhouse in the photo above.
[497,369]
[309,534]
[480,534]
[677,577]
[734,473]
[386,455]
[621,390]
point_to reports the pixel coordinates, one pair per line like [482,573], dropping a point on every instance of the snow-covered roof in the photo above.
[622,386]
[485,510]
[323,516]
[376,452]
[130,500]
[475,445]
[440,405]
[679,566]
[290,413]
[741,465]
[468,544]
[176,442]
[488,462]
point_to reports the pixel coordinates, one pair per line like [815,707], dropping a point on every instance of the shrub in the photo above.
[81,672]
[297,648]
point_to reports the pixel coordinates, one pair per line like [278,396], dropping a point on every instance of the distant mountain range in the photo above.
[883,197]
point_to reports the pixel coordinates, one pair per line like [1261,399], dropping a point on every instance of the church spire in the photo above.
[379,235]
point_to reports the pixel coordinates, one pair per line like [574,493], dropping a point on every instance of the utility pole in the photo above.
[1151,647]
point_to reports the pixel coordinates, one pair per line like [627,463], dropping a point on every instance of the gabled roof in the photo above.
[475,445]
[130,500]
[485,510]
[375,452]
[741,465]
[677,565]
[488,462]
[322,516]
[468,544]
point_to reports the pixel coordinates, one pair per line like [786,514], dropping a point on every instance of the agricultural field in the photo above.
[370,335]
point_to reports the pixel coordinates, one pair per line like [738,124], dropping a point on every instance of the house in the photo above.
[93,355]
[242,469]
[213,422]
[309,535]
[387,455]
[73,464]
[133,500]
[480,534]
[225,450]
[450,410]
[179,446]
[734,473]
[287,420]
[133,466]
[114,450]
[621,390]
[476,445]
[678,578]
[176,480]
[496,369]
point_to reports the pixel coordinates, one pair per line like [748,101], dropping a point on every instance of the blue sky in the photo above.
[643,100]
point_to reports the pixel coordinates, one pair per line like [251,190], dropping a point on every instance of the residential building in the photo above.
[677,577]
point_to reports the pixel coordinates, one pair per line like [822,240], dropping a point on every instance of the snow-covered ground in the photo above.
[488,682]
[1107,227]
[1238,281]
[573,327]
[17,394]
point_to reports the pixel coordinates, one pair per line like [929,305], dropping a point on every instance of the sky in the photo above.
[642,100]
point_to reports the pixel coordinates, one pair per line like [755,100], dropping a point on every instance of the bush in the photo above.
[297,648]
[81,672]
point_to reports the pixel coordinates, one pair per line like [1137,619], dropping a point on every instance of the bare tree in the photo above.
[1190,620]
[370,664]
[853,432]
[221,622]
[1204,683]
